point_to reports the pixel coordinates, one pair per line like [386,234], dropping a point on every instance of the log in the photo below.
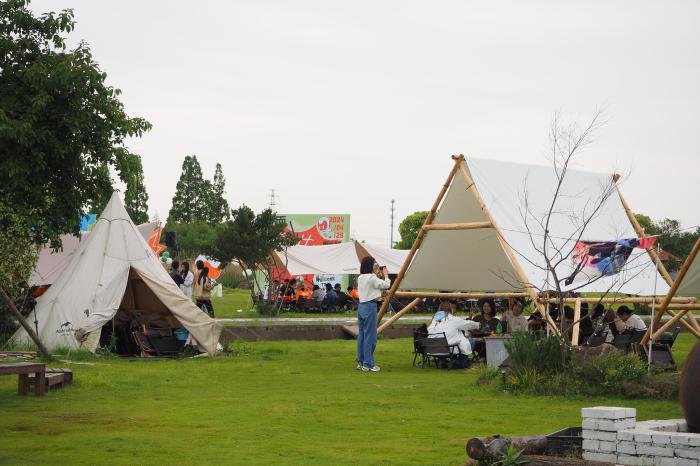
[491,448]
[458,226]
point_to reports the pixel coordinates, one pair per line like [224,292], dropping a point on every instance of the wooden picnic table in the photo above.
[23,370]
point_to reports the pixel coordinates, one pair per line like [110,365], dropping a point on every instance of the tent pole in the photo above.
[652,254]
[506,248]
[419,238]
[398,315]
[672,292]
[577,318]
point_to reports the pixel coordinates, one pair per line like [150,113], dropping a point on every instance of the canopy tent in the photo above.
[114,274]
[50,263]
[335,259]
[476,238]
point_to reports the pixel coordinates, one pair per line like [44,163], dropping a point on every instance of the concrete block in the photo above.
[635,460]
[608,412]
[591,445]
[589,424]
[604,457]
[652,450]
[694,440]
[607,447]
[616,424]
[679,439]
[599,435]
[661,439]
[627,448]
[626,435]
[692,453]
[662,461]
[642,437]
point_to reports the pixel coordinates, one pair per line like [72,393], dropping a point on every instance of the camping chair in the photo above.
[419,334]
[440,351]
[143,344]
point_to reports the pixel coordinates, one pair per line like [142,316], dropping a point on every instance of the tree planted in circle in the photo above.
[197,199]
[249,238]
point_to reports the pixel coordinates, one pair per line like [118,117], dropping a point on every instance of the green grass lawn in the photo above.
[276,403]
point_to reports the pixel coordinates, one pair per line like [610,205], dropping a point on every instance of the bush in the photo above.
[607,374]
[543,355]
[231,279]
[267,309]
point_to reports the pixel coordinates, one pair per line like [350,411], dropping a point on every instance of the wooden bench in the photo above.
[23,370]
[55,377]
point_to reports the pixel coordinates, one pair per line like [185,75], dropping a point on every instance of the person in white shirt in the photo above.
[515,320]
[454,328]
[371,283]
[628,321]
[188,279]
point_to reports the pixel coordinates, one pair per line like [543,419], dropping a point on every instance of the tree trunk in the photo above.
[18,315]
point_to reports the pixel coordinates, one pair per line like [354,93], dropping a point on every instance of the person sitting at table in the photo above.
[487,319]
[331,299]
[318,294]
[303,294]
[514,318]
[601,322]
[342,297]
[454,328]
[627,321]
[352,292]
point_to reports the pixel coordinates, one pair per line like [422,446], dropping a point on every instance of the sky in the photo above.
[342,106]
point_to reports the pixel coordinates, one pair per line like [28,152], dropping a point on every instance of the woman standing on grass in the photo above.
[202,289]
[371,282]
[187,280]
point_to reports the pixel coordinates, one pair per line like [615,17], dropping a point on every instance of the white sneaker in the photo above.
[371,369]
[359,367]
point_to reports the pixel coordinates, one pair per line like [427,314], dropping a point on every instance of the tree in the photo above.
[192,238]
[216,204]
[136,197]
[191,194]
[675,242]
[409,228]
[62,128]
[250,238]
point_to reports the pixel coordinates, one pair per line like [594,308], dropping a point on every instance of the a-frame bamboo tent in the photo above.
[687,283]
[475,243]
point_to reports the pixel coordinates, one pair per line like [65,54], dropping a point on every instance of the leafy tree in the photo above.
[217,205]
[250,238]
[675,242]
[192,238]
[136,197]
[191,194]
[409,228]
[62,128]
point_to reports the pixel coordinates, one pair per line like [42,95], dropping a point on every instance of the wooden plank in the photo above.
[459,294]
[458,226]
[577,317]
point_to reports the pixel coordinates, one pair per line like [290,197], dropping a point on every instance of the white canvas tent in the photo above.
[336,259]
[475,239]
[115,274]
[51,263]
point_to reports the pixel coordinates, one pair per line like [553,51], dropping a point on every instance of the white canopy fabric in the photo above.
[690,286]
[474,260]
[341,258]
[114,274]
[51,263]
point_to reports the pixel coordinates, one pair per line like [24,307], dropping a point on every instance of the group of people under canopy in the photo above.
[294,292]
[459,330]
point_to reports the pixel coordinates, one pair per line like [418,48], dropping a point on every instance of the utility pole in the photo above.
[273,201]
[391,236]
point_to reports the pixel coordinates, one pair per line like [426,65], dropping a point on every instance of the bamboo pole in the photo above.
[652,254]
[622,299]
[419,238]
[398,315]
[684,323]
[458,226]
[577,318]
[668,324]
[674,289]
[23,322]
[522,276]
[457,294]
[681,306]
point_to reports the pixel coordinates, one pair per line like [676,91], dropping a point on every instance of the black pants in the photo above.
[206,306]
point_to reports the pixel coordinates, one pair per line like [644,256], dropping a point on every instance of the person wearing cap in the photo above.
[454,328]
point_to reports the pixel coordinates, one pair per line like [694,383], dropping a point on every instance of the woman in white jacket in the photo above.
[188,278]
[371,282]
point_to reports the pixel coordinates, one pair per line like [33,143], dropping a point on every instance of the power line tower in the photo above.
[393,212]
[273,201]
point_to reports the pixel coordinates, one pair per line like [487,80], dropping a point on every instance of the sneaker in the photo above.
[371,369]
[359,367]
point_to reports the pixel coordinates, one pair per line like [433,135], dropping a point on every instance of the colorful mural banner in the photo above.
[319,229]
